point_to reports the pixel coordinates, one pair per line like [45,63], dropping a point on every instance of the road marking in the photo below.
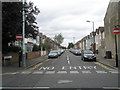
[116,72]
[38,72]
[34,67]
[69,62]
[103,66]
[6,88]
[86,72]
[46,68]
[25,72]
[74,72]
[111,88]
[49,72]
[68,59]
[64,81]
[62,72]
[13,73]
[101,72]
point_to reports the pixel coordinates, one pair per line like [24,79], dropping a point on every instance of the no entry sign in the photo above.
[19,36]
[116,30]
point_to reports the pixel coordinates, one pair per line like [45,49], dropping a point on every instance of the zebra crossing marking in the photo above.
[86,72]
[72,72]
[50,72]
[38,72]
[116,72]
[62,72]
[25,72]
[101,72]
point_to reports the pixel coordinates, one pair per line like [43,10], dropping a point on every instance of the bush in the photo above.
[14,49]
[36,48]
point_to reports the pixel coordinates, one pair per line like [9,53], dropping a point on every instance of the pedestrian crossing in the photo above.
[71,72]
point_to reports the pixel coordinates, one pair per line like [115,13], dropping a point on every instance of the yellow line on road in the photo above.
[33,68]
[9,73]
[108,68]
[30,69]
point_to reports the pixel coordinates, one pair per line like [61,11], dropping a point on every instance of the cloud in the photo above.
[69,17]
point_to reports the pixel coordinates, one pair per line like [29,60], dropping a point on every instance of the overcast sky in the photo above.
[69,17]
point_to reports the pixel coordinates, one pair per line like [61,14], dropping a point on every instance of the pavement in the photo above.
[14,67]
[107,62]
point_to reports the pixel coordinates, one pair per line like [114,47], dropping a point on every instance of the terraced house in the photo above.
[112,19]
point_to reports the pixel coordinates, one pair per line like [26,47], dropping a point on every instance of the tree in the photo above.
[12,21]
[70,45]
[58,39]
[47,44]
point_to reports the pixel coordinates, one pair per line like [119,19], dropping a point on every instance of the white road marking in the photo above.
[71,72]
[64,81]
[86,72]
[74,72]
[68,59]
[25,72]
[46,68]
[101,72]
[38,72]
[62,72]
[114,72]
[49,72]
[69,62]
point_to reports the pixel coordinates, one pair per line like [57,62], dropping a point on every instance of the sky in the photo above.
[69,17]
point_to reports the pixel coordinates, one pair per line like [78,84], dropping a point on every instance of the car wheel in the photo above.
[95,60]
[83,59]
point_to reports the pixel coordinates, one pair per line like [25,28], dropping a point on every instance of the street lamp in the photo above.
[41,38]
[23,33]
[74,42]
[93,35]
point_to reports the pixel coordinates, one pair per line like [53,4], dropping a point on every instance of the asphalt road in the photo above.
[66,71]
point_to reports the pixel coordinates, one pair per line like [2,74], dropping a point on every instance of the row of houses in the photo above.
[87,42]
[104,37]
[39,41]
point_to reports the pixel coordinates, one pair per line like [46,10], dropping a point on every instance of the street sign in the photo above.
[19,36]
[116,30]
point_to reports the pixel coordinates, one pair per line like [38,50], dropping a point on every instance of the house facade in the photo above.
[112,19]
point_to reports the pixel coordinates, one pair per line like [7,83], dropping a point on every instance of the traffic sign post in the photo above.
[116,31]
[19,36]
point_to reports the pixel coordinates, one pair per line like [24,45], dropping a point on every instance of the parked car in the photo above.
[75,51]
[88,55]
[53,54]
[58,51]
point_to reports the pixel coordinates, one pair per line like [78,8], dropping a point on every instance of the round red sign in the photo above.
[116,30]
[19,36]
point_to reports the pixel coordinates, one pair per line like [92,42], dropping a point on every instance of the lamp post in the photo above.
[74,42]
[23,33]
[41,48]
[93,35]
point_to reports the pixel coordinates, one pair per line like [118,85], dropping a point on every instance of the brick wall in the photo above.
[32,55]
[15,56]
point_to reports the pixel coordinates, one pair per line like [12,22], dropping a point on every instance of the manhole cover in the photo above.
[64,81]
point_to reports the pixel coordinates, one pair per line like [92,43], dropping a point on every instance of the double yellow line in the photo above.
[27,70]
[108,68]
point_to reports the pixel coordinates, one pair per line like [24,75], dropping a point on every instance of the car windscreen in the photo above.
[88,52]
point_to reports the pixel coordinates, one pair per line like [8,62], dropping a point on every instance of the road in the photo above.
[66,71]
